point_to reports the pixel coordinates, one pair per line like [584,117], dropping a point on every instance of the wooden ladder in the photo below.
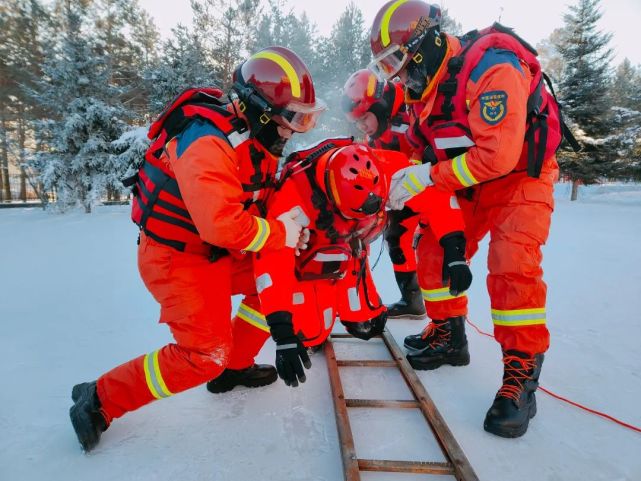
[456,465]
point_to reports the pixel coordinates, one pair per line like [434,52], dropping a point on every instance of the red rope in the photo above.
[566,400]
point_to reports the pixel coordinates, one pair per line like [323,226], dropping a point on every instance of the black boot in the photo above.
[416,342]
[446,344]
[515,403]
[411,305]
[254,376]
[86,416]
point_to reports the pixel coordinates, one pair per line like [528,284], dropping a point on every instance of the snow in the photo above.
[72,306]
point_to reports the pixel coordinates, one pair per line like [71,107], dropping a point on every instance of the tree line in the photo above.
[81,79]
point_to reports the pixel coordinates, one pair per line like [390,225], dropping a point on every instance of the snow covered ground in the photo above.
[72,306]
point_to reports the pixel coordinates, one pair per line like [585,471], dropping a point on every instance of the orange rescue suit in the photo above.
[332,277]
[215,183]
[494,191]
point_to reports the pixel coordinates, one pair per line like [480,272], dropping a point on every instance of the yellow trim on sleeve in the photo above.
[262,233]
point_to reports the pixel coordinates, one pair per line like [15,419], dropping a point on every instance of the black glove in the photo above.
[291,355]
[455,268]
[367,329]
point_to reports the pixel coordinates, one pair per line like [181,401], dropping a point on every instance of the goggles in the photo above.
[299,117]
[390,62]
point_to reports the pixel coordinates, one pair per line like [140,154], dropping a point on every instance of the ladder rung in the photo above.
[381,403]
[420,467]
[365,363]
[349,336]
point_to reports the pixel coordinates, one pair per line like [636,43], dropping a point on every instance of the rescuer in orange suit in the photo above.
[376,107]
[490,130]
[339,189]
[199,200]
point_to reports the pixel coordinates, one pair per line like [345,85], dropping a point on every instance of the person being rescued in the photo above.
[377,108]
[339,189]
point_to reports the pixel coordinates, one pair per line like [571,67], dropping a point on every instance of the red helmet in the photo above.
[364,89]
[397,32]
[352,181]
[277,85]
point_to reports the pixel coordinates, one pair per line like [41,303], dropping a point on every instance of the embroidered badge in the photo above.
[493,106]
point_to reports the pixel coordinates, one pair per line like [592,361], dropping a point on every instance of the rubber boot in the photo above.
[515,403]
[86,416]
[411,305]
[446,344]
[256,375]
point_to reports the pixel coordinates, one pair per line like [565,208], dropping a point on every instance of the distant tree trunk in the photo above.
[21,155]
[4,159]
[575,189]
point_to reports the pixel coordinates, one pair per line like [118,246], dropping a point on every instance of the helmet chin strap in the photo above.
[425,63]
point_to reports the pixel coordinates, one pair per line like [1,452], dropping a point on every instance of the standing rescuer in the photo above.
[199,200]
[377,108]
[490,130]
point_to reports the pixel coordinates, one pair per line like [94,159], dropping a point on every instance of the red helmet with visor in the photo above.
[397,32]
[279,86]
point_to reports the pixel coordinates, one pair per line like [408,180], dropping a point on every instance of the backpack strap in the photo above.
[567,133]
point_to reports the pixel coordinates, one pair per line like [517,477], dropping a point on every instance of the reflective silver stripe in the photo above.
[328,315]
[457,263]
[235,138]
[263,282]
[519,317]
[154,379]
[354,299]
[454,203]
[298,298]
[443,143]
[320,257]
[286,346]
[400,128]
[252,317]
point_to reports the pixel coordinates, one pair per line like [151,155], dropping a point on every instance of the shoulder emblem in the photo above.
[493,106]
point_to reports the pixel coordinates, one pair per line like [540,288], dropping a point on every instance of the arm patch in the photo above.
[493,106]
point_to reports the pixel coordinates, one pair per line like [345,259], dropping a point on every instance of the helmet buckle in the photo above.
[418,57]
[242,106]
[264,118]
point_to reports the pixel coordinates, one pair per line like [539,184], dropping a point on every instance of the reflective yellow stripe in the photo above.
[462,172]
[294,83]
[519,317]
[409,188]
[417,183]
[385,40]
[438,295]
[253,317]
[153,376]
[262,233]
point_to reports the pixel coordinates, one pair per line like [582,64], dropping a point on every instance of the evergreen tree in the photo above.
[21,22]
[344,52]
[626,87]
[551,60]
[449,23]
[82,118]
[183,64]
[584,92]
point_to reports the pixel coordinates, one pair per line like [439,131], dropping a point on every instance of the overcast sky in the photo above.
[532,19]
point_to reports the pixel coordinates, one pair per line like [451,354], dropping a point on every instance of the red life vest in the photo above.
[447,129]
[158,208]
[395,137]
[336,244]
